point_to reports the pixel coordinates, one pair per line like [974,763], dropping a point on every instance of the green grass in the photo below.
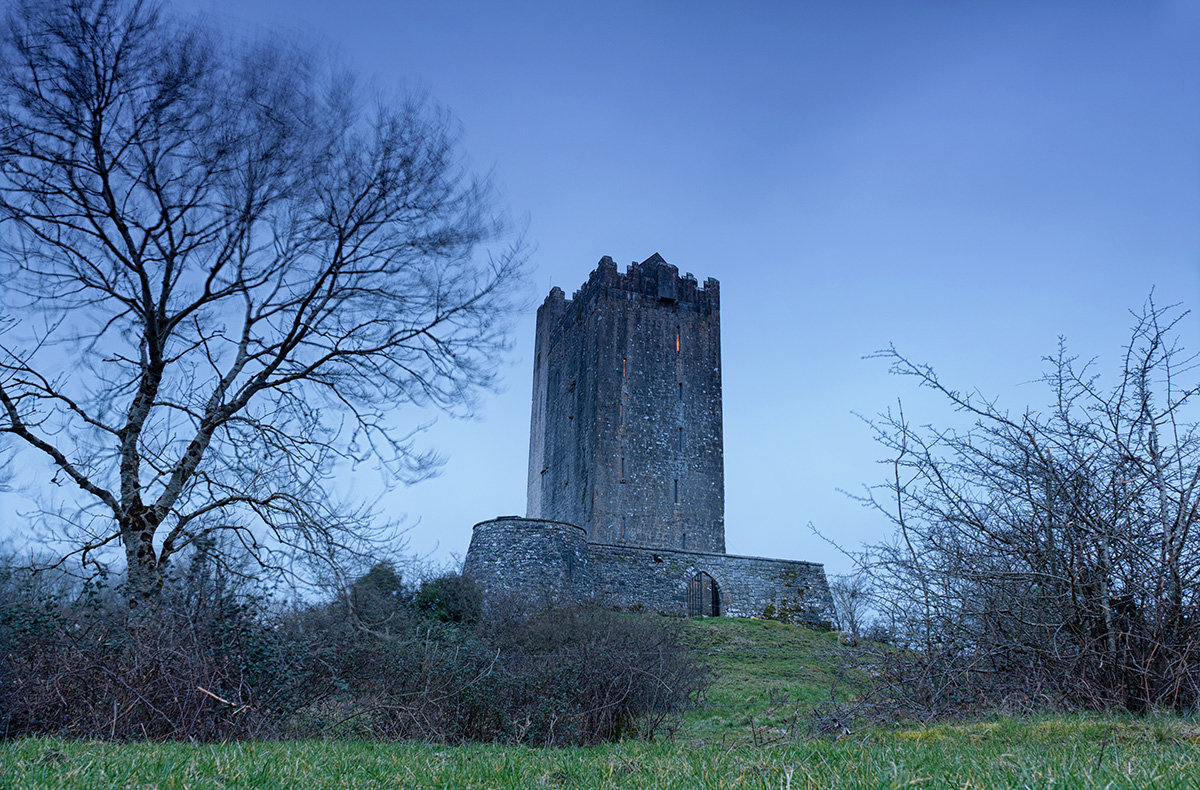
[768,671]
[764,674]
[1055,752]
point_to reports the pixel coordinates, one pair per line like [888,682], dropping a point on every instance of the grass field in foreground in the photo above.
[767,673]
[1054,752]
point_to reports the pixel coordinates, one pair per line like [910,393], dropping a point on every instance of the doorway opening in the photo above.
[704,597]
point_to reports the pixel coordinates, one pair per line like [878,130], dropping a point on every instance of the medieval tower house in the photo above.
[626,428]
[626,494]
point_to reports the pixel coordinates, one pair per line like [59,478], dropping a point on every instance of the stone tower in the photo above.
[625,439]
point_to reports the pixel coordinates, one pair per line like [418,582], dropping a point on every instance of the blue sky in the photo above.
[968,180]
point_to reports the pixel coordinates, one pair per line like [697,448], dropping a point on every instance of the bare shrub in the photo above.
[851,595]
[210,660]
[1048,558]
[583,675]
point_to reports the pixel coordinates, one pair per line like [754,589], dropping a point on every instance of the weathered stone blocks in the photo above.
[625,435]
[626,491]
[541,562]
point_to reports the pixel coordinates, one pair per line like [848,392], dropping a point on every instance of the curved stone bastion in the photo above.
[531,559]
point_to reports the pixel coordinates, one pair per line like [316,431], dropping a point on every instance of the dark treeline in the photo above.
[382,659]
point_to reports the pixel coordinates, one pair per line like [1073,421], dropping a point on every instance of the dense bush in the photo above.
[587,674]
[563,676]
[77,661]
[450,598]
[383,659]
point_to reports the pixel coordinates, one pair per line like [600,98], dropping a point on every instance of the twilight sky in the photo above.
[966,180]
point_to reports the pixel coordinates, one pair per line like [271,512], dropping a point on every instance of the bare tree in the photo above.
[231,270]
[851,595]
[1054,552]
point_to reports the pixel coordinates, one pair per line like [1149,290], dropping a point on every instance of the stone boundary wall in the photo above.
[657,579]
[539,562]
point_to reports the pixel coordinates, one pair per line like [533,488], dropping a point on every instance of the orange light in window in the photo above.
[676,341]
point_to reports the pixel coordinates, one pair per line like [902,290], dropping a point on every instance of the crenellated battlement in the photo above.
[653,280]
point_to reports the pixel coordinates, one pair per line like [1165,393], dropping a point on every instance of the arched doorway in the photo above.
[704,597]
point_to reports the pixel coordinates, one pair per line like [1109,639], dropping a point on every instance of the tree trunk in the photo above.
[145,577]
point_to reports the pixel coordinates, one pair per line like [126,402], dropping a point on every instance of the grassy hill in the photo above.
[764,674]
[746,734]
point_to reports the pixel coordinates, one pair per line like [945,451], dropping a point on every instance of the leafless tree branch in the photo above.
[229,269]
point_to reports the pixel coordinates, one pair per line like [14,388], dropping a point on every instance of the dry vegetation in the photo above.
[1049,554]
[380,660]
[766,672]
